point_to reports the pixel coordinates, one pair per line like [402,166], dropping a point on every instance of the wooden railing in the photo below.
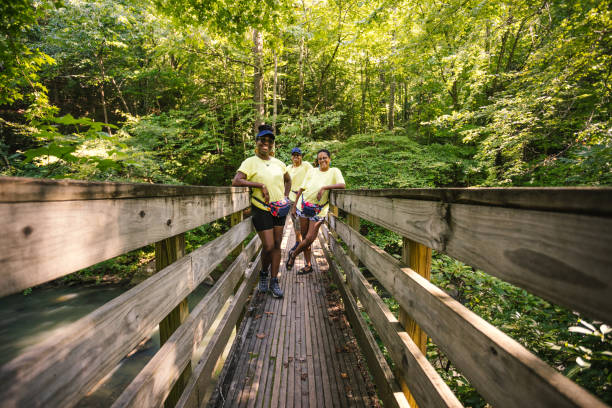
[555,243]
[53,228]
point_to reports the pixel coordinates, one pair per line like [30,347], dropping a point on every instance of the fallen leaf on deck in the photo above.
[258,316]
[304,376]
[261,335]
[269,313]
[344,375]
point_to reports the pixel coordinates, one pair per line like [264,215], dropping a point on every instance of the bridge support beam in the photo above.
[167,252]
[235,219]
[353,221]
[418,258]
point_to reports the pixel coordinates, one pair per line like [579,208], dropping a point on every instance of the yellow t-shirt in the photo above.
[297,177]
[268,172]
[313,183]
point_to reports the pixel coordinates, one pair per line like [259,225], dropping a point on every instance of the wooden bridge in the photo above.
[311,348]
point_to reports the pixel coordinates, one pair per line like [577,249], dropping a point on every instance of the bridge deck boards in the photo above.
[298,351]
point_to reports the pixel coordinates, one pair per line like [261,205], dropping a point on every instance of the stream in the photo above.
[27,320]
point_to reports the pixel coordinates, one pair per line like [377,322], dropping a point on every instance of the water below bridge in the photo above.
[28,320]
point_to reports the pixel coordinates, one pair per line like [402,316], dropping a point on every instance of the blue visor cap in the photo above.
[265,132]
[296,150]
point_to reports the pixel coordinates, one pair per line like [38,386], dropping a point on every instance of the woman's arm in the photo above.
[339,186]
[241,181]
[297,197]
[287,180]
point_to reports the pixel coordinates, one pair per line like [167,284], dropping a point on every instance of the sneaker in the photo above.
[296,245]
[277,292]
[263,282]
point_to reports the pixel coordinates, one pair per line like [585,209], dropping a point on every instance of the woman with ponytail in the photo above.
[312,204]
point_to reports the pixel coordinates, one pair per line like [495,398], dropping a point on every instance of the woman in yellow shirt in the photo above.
[270,183]
[312,205]
[298,171]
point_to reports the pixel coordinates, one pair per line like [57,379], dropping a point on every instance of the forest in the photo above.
[404,93]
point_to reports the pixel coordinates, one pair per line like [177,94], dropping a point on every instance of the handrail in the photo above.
[577,200]
[563,255]
[24,189]
[54,218]
[539,239]
[152,385]
[53,228]
[489,235]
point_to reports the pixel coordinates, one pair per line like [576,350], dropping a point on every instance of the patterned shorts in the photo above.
[314,218]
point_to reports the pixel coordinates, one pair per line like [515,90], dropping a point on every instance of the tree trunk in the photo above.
[275,92]
[405,102]
[301,73]
[120,94]
[258,80]
[391,112]
[367,84]
[101,61]
[363,99]
[454,94]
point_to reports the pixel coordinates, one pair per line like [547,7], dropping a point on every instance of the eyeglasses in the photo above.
[265,140]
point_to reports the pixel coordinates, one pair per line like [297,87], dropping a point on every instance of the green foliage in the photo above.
[540,326]
[395,160]
[186,146]
[20,63]
[60,154]
[228,16]
[485,93]
[541,114]
[120,269]
[199,236]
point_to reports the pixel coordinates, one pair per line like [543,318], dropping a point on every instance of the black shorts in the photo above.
[263,220]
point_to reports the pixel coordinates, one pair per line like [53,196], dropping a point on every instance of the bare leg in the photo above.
[297,228]
[276,252]
[267,249]
[304,225]
[312,228]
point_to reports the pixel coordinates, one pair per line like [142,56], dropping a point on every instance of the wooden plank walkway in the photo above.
[298,351]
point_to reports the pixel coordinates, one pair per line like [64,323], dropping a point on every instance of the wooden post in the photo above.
[353,222]
[236,218]
[333,209]
[168,251]
[418,258]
